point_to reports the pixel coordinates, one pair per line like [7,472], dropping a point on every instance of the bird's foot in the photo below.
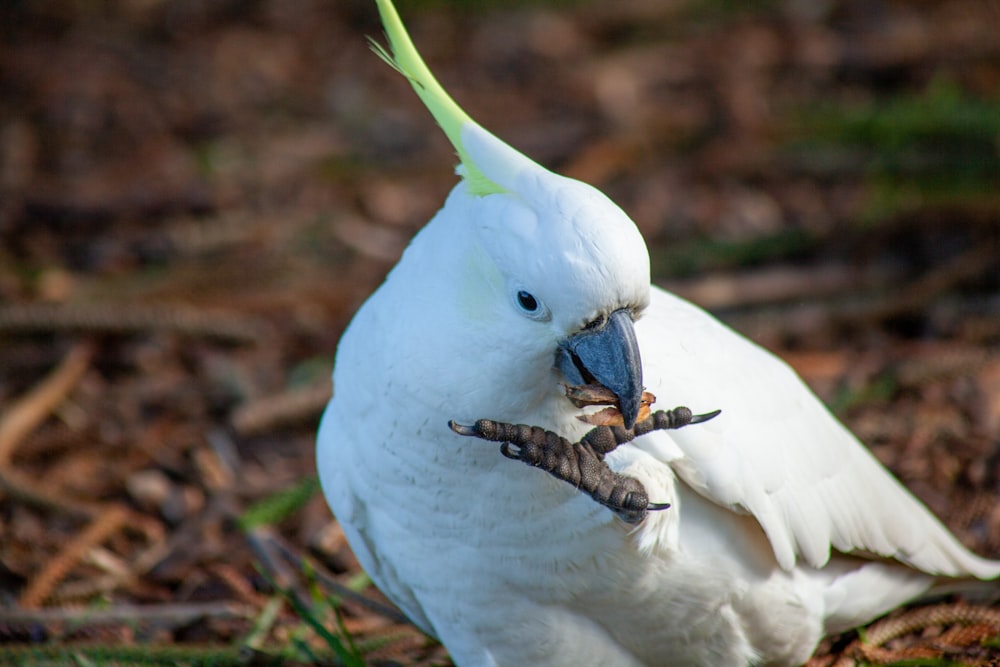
[582,463]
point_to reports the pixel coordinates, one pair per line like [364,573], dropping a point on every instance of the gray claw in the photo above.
[511,451]
[461,429]
[700,419]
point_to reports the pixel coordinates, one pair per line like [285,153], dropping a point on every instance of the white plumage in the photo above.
[510,566]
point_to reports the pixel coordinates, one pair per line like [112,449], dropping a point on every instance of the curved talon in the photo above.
[461,429]
[701,419]
[656,507]
[505,449]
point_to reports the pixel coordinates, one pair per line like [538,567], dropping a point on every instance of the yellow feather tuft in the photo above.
[406,59]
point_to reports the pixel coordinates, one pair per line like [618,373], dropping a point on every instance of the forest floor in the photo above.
[196,196]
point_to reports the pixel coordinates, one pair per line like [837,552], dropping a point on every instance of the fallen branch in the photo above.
[125,318]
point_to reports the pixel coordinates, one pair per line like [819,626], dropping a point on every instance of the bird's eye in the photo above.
[529,305]
[527,301]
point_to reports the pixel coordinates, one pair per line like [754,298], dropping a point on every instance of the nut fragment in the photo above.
[585,395]
[611,416]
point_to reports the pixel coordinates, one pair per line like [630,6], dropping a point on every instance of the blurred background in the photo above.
[196,195]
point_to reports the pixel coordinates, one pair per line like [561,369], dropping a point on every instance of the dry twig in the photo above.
[42,584]
[262,414]
[32,409]
[925,617]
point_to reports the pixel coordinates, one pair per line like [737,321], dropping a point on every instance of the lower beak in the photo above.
[608,355]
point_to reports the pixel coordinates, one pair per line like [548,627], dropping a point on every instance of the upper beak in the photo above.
[608,355]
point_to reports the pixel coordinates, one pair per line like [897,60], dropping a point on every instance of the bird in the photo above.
[740,533]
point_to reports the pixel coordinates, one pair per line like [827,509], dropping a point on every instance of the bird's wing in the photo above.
[777,453]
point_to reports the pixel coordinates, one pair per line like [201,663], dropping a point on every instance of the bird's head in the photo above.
[536,263]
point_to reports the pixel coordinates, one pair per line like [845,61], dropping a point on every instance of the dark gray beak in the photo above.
[609,355]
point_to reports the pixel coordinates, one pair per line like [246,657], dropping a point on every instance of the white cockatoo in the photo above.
[781,528]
